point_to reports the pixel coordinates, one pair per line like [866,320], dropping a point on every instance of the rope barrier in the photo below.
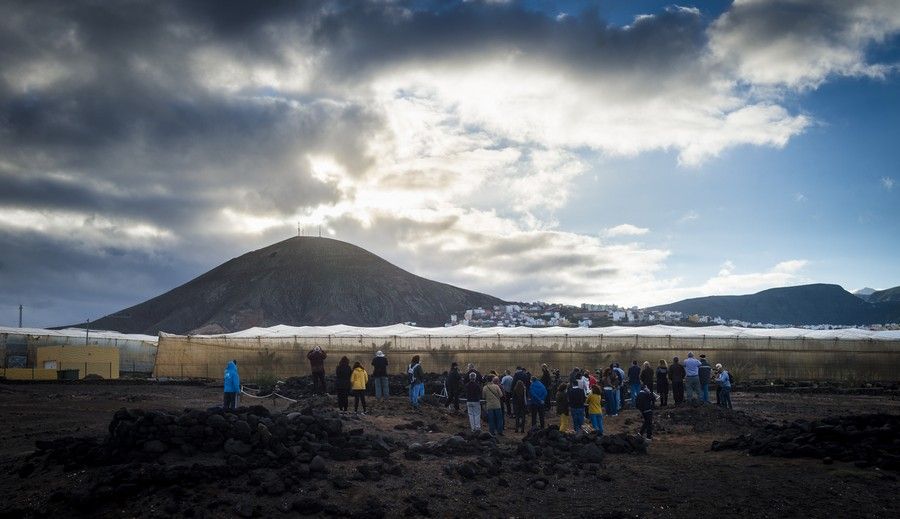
[271,395]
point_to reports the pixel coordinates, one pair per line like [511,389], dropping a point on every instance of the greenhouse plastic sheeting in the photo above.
[789,353]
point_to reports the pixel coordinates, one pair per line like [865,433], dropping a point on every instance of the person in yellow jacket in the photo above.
[595,409]
[358,380]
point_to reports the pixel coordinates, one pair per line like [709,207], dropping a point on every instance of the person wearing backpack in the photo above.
[576,400]
[416,380]
[471,369]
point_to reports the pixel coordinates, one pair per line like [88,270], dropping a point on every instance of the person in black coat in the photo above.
[662,383]
[342,382]
[471,369]
[523,375]
[647,375]
[676,376]
[454,385]
[644,403]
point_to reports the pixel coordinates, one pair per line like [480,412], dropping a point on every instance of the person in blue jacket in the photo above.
[232,384]
[537,394]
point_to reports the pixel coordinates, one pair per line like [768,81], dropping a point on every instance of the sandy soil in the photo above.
[679,477]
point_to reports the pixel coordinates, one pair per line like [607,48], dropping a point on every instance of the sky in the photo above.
[634,153]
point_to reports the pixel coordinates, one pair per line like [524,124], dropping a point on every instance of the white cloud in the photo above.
[800,197]
[727,268]
[625,229]
[515,99]
[89,230]
[887,183]
[483,251]
[790,266]
[689,216]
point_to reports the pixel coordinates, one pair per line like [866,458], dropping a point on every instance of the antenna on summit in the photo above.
[299,230]
[320,231]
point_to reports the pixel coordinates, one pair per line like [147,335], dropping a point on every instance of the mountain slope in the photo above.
[799,305]
[299,281]
[885,296]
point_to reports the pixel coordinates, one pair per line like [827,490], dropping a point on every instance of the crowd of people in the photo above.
[581,401]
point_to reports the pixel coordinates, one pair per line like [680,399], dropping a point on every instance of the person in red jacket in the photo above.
[317,367]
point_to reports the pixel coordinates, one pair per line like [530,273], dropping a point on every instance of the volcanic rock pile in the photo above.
[587,447]
[462,444]
[867,440]
[248,436]
[704,418]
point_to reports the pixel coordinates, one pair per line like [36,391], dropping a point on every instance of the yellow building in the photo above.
[88,360]
[28,374]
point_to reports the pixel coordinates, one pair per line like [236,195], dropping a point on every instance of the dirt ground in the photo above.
[679,477]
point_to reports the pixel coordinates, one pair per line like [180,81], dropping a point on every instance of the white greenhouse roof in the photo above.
[402,330]
[77,333]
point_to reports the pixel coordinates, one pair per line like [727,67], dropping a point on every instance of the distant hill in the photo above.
[299,281]
[885,296]
[799,305]
[864,293]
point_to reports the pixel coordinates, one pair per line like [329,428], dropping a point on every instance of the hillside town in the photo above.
[540,314]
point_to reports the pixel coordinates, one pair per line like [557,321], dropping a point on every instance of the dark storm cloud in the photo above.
[127,107]
[102,113]
[803,42]
[366,40]
[62,281]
